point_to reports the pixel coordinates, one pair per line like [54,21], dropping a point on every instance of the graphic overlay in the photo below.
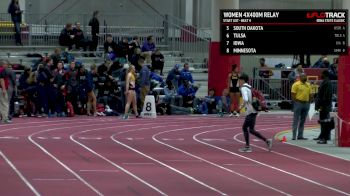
[284,31]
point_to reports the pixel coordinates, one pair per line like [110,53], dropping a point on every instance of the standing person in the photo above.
[324,105]
[4,101]
[145,81]
[95,30]
[11,91]
[130,92]
[92,78]
[234,90]
[16,17]
[157,61]
[250,119]
[301,96]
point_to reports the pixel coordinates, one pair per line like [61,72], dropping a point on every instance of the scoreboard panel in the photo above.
[284,31]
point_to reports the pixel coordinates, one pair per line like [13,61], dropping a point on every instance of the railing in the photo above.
[170,32]
[280,89]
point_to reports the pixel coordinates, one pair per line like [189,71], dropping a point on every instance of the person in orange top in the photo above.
[235,94]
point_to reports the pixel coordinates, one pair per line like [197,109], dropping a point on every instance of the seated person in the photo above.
[79,38]
[149,46]
[66,37]
[171,95]
[207,105]
[185,74]
[188,92]
[122,51]
[174,76]
[110,47]
[224,103]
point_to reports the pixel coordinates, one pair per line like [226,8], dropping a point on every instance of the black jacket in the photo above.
[16,17]
[95,26]
[324,96]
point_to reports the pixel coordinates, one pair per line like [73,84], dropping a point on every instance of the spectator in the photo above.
[56,56]
[224,103]
[130,92]
[95,30]
[174,76]
[185,74]
[27,86]
[4,84]
[59,85]
[135,43]
[322,62]
[135,59]
[44,81]
[79,38]
[301,96]
[207,105]
[85,87]
[171,95]
[110,47]
[235,94]
[324,105]
[66,37]
[145,81]
[264,70]
[122,51]
[188,93]
[295,74]
[157,61]
[333,70]
[16,17]
[93,80]
[12,91]
[71,84]
[149,46]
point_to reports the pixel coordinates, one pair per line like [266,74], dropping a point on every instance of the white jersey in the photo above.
[247,98]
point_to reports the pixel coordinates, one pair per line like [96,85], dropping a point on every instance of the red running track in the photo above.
[177,155]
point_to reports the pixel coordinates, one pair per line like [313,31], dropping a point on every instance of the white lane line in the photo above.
[212,139]
[40,122]
[131,138]
[174,139]
[111,162]
[9,137]
[19,174]
[30,137]
[243,165]
[185,161]
[138,163]
[42,138]
[264,164]
[168,166]
[54,179]
[297,159]
[89,138]
[214,164]
[97,170]
[56,138]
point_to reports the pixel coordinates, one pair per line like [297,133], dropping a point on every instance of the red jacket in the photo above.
[5,77]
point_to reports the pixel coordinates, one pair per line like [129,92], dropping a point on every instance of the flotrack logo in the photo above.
[322,15]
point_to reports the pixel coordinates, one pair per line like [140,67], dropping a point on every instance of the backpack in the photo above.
[258,100]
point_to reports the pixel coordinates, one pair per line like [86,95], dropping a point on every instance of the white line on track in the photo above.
[214,164]
[264,164]
[19,174]
[168,166]
[30,137]
[138,163]
[111,162]
[54,179]
[294,158]
[97,170]
[9,138]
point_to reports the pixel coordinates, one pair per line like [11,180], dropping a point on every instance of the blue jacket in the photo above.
[148,47]
[145,76]
[186,75]
[186,92]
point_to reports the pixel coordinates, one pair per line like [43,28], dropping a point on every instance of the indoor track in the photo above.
[170,155]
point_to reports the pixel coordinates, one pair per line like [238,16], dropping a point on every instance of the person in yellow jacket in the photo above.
[301,96]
